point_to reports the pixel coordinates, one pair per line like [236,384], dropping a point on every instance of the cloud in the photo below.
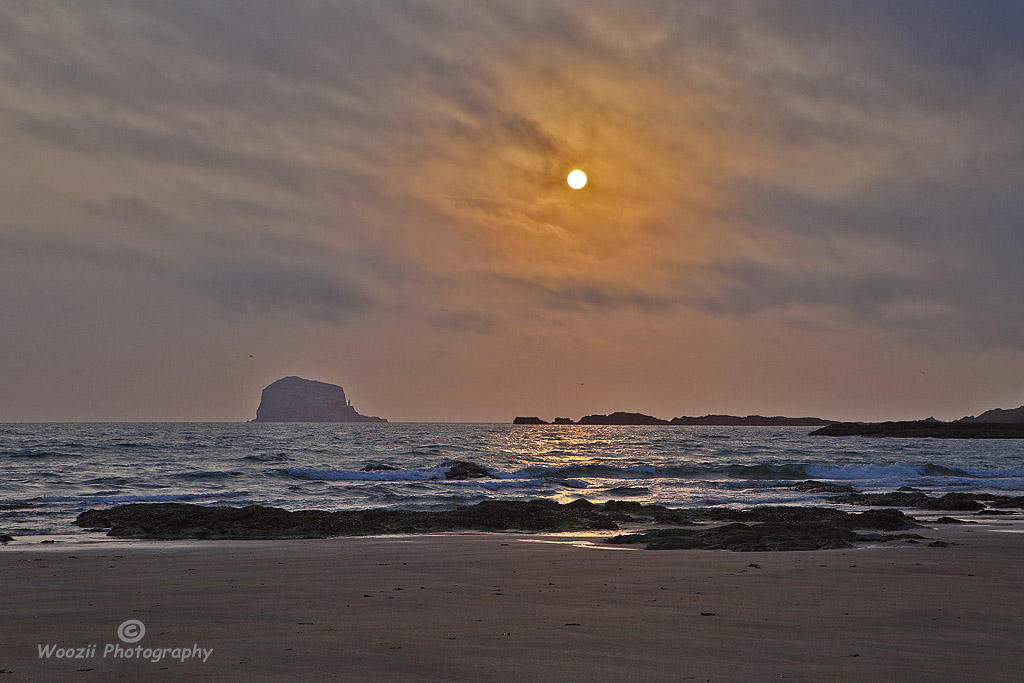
[26,245]
[391,171]
[259,284]
[268,286]
[466,321]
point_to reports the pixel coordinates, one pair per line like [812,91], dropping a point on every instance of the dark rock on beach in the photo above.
[180,520]
[884,520]
[925,429]
[771,528]
[378,468]
[1001,501]
[293,399]
[777,529]
[921,501]
[6,538]
[741,537]
[951,520]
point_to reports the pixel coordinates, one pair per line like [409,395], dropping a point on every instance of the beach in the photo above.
[517,607]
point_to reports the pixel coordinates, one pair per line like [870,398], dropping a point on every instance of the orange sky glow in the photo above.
[776,220]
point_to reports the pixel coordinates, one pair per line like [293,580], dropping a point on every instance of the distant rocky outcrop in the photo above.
[750,421]
[925,429]
[293,399]
[998,415]
[621,418]
[997,423]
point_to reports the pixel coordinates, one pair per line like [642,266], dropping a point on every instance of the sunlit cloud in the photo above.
[388,179]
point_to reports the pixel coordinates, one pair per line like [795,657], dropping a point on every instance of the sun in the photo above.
[577,179]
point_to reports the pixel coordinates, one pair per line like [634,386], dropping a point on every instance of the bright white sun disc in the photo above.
[577,179]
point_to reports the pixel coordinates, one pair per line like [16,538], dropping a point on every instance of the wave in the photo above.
[499,484]
[266,457]
[772,471]
[40,454]
[501,480]
[140,498]
[1007,473]
[221,474]
[362,475]
[16,505]
[594,471]
[108,481]
[894,471]
[766,472]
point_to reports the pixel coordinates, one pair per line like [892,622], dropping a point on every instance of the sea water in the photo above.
[49,473]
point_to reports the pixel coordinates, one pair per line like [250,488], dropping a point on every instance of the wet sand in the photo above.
[511,607]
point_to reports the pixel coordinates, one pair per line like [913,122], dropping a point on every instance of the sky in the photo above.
[793,208]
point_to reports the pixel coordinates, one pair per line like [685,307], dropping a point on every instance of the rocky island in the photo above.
[293,399]
[622,418]
[932,429]
[992,424]
[751,421]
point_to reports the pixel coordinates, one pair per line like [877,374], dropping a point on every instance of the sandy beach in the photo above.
[493,607]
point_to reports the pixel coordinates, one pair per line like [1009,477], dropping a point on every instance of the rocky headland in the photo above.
[997,423]
[998,415]
[750,421]
[925,429]
[293,399]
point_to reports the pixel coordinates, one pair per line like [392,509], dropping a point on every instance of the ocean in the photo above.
[49,473]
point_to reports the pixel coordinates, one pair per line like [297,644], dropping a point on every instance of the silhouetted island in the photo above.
[991,424]
[621,418]
[751,421]
[293,399]
[1013,416]
[933,429]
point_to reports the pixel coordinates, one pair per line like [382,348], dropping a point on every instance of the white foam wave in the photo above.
[896,471]
[155,498]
